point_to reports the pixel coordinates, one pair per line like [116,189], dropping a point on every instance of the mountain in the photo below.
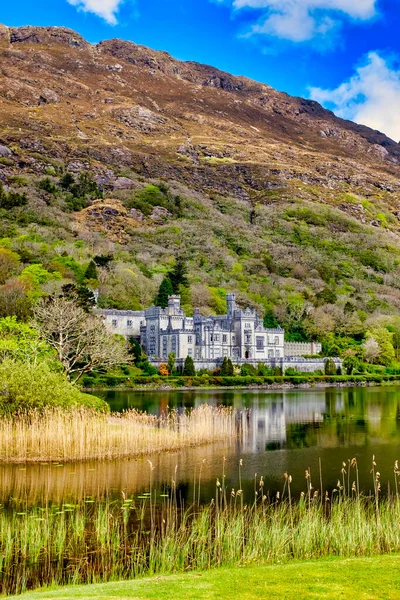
[263,193]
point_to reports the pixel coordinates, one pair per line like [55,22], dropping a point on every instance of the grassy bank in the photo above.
[92,543]
[53,435]
[206,381]
[377,577]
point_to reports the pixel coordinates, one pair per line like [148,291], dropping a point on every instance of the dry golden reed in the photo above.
[89,435]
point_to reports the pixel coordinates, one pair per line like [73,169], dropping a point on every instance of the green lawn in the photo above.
[352,578]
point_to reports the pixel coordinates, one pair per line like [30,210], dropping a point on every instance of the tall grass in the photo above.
[90,542]
[53,435]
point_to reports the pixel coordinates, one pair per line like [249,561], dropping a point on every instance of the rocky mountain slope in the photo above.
[274,191]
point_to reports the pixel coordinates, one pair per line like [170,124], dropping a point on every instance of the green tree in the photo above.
[178,275]
[47,185]
[383,339]
[21,342]
[80,294]
[91,271]
[135,350]
[164,291]
[230,369]
[171,363]
[9,264]
[103,260]
[66,181]
[35,276]
[11,199]
[270,320]
[330,367]
[350,363]
[188,367]
[224,367]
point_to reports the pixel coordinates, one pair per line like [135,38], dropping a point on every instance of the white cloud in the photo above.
[302,20]
[371,96]
[106,9]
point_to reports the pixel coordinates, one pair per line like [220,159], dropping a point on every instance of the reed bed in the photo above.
[85,434]
[153,533]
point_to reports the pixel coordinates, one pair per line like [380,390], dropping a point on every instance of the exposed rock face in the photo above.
[124,183]
[47,36]
[5,152]
[120,104]
[108,216]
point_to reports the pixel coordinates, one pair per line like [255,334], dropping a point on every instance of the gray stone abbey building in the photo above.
[239,335]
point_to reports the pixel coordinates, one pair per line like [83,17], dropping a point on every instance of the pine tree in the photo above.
[91,271]
[80,294]
[224,367]
[188,367]
[164,291]
[330,367]
[178,275]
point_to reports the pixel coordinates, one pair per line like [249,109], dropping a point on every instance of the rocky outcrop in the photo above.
[47,36]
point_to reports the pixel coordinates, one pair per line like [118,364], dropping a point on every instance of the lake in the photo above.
[287,430]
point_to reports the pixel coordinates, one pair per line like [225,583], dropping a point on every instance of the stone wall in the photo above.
[306,365]
[302,348]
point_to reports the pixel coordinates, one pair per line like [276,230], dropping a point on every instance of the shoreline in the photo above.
[265,386]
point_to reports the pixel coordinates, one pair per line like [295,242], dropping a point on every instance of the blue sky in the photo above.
[343,53]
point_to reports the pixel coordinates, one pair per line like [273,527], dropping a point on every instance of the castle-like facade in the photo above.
[239,335]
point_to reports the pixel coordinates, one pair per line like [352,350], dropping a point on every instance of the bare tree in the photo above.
[80,339]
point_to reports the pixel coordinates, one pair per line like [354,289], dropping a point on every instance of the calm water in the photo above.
[286,430]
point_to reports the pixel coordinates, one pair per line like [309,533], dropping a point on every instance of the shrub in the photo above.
[27,386]
[47,185]
[163,370]
[330,367]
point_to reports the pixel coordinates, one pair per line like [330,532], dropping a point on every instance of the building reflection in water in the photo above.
[285,430]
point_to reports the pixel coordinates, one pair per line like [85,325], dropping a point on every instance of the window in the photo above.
[277,353]
[129,323]
[152,328]
[216,337]
[189,339]
[224,351]
[224,338]
[190,351]
[260,342]
[114,322]
[164,342]
[270,353]
[233,339]
[247,338]
[197,338]
[276,339]
[247,325]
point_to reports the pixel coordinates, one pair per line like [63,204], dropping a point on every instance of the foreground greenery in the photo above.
[331,579]
[92,542]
